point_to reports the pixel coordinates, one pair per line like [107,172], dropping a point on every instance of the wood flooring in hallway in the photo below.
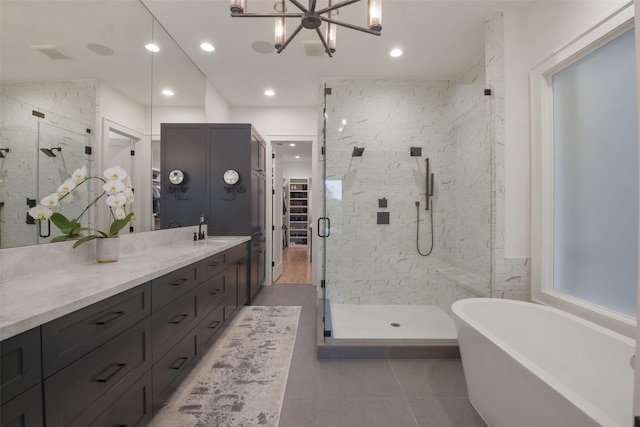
[296,267]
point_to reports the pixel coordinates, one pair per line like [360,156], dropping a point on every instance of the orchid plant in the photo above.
[116,186]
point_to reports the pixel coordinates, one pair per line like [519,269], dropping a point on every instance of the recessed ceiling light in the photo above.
[167,92]
[152,47]
[292,145]
[207,47]
[396,52]
[297,157]
[269,92]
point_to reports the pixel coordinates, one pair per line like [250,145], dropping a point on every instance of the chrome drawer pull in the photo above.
[179,318]
[115,369]
[215,291]
[179,363]
[179,282]
[109,318]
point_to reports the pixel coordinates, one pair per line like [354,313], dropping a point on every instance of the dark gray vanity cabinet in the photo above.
[183,147]
[205,152]
[21,380]
[115,362]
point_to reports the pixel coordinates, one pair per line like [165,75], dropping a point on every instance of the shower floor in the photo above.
[376,322]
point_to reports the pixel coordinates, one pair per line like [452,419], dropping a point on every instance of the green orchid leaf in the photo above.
[85,239]
[62,238]
[119,224]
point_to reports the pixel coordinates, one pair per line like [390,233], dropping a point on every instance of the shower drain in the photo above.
[395,325]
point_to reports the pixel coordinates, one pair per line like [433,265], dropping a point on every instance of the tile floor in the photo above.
[371,393]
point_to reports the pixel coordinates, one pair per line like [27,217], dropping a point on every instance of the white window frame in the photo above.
[542,174]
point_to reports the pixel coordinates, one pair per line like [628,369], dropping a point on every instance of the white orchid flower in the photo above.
[68,198]
[115,173]
[128,192]
[119,213]
[40,212]
[116,200]
[113,187]
[128,183]
[66,187]
[50,201]
[79,174]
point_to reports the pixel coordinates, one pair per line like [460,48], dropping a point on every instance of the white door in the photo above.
[277,214]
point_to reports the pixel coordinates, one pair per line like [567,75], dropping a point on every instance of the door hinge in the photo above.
[273,191]
[322,284]
[327,91]
[273,155]
[133,152]
[131,229]
[37,114]
[273,264]
[87,149]
[323,150]
[273,228]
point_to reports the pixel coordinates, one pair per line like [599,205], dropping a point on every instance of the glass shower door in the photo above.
[383,140]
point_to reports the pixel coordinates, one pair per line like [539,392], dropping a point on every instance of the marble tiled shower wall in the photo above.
[371,263]
[69,109]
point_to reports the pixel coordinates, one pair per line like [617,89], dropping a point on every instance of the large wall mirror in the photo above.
[79,88]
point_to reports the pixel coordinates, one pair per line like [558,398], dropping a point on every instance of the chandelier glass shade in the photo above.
[311,18]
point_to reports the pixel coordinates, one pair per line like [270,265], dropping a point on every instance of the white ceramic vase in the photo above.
[108,250]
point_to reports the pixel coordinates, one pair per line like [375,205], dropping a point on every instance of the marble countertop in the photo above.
[30,301]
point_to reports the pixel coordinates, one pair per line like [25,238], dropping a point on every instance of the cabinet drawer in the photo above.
[20,366]
[236,253]
[131,408]
[212,265]
[67,339]
[172,323]
[172,285]
[172,368]
[209,328]
[210,294]
[121,360]
[24,410]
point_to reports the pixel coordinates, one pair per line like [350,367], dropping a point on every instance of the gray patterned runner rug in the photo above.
[241,380]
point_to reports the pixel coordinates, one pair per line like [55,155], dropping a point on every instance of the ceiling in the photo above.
[440,40]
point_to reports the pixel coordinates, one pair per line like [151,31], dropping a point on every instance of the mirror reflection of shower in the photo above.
[357,152]
[428,204]
[50,151]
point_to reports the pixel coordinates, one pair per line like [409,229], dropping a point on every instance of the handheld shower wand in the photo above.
[429,205]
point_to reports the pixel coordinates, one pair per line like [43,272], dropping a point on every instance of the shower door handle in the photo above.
[327,229]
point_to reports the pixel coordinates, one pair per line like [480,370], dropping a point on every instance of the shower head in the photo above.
[357,152]
[50,151]
[6,150]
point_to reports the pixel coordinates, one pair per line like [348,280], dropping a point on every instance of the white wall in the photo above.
[532,33]
[297,169]
[121,109]
[278,121]
[217,109]
[176,115]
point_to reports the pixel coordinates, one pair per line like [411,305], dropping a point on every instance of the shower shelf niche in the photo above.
[297,211]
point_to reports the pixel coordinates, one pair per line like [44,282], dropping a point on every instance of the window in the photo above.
[585,176]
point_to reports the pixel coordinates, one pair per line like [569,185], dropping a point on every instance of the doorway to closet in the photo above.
[292,219]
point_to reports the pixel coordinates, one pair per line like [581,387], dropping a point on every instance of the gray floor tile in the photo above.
[365,413]
[299,413]
[357,378]
[426,378]
[446,412]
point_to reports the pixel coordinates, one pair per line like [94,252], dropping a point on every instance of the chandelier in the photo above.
[312,18]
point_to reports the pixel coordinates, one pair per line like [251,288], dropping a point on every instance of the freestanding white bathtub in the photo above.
[529,365]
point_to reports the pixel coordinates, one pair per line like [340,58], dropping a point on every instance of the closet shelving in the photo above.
[298,211]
